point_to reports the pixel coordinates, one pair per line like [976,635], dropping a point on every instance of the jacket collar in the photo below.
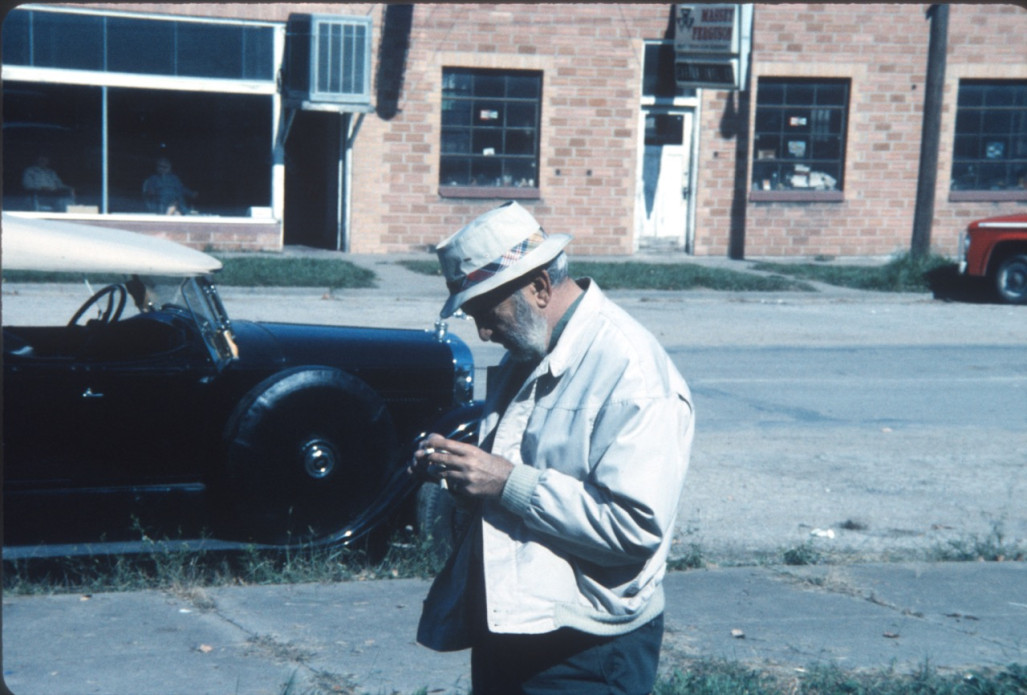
[578,333]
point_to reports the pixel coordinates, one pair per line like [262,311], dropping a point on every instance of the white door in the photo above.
[662,197]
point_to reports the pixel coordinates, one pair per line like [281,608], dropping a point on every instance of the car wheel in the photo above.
[308,450]
[1011,279]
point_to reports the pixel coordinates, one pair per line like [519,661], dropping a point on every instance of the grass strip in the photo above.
[254,270]
[638,275]
[901,274]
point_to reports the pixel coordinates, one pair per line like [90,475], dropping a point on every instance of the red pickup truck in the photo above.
[996,248]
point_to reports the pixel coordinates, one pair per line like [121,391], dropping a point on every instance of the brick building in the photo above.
[433,113]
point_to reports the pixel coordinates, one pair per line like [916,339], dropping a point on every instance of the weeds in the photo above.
[717,677]
[991,548]
[692,559]
[183,570]
[804,554]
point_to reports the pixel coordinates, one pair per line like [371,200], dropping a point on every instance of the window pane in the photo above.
[488,116]
[15,35]
[487,143]
[257,49]
[664,129]
[61,122]
[209,50]
[520,115]
[456,112]
[770,93]
[522,87]
[456,141]
[990,148]
[218,145]
[522,173]
[488,113]
[455,171]
[489,85]
[139,46]
[486,171]
[800,134]
[799,93]
[456,83]
[520,142]
[67,41]
[831,95]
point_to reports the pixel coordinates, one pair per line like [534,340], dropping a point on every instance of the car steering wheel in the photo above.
[114,295]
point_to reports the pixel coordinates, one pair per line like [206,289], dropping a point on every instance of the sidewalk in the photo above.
[358,637]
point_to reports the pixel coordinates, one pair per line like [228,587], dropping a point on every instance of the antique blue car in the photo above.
[151,412]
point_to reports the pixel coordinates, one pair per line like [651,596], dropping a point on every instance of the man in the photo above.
[44,183]
[575,481]
[164,192]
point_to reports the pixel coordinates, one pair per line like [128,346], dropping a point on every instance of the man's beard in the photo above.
[527,342]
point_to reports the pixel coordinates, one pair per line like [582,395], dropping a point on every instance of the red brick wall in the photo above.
[591,59]
[882,49]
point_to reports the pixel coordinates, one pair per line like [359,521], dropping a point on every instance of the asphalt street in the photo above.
[878,430]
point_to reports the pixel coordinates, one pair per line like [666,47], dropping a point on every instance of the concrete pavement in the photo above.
[358,637]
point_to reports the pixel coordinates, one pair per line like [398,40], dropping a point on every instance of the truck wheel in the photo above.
[307,451]
[1011,280]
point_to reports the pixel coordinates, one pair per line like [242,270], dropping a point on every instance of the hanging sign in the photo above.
[711,45]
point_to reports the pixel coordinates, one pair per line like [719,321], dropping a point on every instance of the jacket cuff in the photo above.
[519,488]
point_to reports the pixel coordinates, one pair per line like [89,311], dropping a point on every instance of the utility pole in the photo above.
[923,214]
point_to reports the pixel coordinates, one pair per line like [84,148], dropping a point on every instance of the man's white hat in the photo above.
[494,249]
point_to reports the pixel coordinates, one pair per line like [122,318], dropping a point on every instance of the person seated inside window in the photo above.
[165,193]
[47,190]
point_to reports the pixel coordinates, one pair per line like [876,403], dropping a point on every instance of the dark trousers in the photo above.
[567,662]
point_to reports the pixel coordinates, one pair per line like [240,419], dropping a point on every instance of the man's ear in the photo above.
[541,288]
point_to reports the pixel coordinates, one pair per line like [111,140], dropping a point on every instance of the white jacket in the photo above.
[600,435]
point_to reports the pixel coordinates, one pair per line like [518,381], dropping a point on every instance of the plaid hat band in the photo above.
[505,261]
[495,248]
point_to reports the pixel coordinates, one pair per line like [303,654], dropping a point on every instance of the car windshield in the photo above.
[202,300]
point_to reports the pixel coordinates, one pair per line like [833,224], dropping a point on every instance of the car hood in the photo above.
[346,347]
[999,223]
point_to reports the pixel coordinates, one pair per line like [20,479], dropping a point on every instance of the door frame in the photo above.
[690,140]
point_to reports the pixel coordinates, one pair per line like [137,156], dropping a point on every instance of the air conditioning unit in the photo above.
[328,62]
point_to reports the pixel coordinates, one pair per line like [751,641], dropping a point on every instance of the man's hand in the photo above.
[466,469]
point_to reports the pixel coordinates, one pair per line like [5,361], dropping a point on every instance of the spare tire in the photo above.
[307,451]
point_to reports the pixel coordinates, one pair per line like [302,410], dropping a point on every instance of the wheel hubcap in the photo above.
[319,459]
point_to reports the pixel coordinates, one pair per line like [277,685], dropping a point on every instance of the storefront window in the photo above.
[990,151]
[799,138]
[79,93]
[218,145]
[490,126]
